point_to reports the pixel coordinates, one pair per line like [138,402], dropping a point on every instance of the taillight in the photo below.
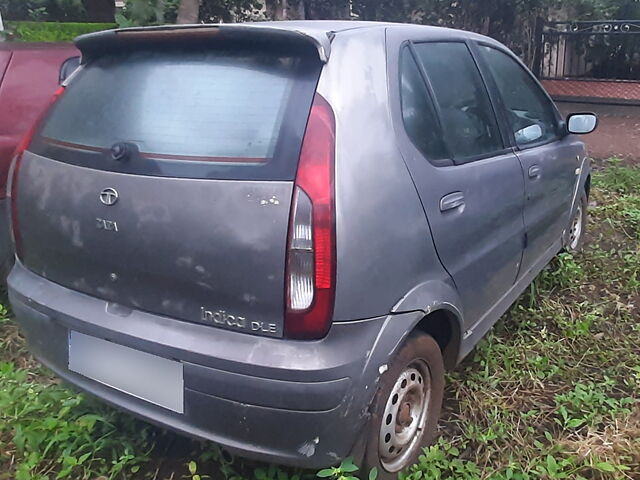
[15,170]
[311,262]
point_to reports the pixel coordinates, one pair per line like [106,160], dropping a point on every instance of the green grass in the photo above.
[51,31]
[553,392]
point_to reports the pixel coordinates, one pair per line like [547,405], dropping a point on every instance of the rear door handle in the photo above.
[451,201]
[534,171]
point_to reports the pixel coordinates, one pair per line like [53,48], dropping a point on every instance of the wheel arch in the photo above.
[445,328]
[438,300]
[587,185]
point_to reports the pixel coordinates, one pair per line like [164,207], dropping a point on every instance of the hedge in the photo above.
[51,31]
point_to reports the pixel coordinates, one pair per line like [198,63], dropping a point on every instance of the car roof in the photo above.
[317,32]
[339,26]
[327,26]
[310,26]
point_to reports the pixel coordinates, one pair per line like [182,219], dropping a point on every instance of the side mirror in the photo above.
[528,134]
[67,68]
[581,123]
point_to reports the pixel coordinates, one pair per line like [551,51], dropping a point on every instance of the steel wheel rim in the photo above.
[576,229]
[405,415]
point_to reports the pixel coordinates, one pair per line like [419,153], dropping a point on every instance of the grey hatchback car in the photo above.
[278,236]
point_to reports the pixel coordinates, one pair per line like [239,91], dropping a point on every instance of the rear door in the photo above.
[469,182]
[162,181]
[548,161]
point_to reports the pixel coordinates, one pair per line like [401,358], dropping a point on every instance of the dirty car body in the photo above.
[132,239]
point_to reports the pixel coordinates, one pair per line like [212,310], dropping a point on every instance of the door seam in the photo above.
[525,242]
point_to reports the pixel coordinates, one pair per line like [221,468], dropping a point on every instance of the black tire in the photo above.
[575,243]
[418,351]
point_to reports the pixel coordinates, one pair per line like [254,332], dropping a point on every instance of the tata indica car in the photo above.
[278,236]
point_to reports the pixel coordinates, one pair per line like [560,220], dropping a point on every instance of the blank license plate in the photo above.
[149,377]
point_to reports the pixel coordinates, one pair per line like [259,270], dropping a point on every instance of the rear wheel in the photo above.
[406,407]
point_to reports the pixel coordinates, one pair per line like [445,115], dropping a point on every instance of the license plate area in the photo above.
[155,379]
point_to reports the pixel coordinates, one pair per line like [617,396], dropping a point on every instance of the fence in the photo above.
[602,50]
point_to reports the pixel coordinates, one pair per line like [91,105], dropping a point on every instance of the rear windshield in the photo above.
[220,114]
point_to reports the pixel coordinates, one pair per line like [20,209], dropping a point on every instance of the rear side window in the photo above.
[467,116]
[418,114]
[530,114]
[221,114]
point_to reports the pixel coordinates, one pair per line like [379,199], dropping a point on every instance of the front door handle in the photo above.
[534,171]
[451,201]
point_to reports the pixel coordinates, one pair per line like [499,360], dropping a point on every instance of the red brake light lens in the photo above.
[311,266]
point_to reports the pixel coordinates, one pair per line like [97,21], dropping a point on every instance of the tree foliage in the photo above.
[142,12]
[511,22]
[507,20]
[227,11]
[99,10]
[59,10]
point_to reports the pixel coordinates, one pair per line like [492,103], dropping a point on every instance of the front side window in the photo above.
[530,114]
[418,115]
[468,120]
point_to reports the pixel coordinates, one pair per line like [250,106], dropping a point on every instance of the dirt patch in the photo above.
[614,440]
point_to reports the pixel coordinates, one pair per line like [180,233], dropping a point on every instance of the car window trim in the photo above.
[441,162]
[558,118]
[431,96]
[462,160]
[489,88]
[494,95]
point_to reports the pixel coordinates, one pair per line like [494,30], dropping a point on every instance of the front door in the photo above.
[549,161]
[470,183]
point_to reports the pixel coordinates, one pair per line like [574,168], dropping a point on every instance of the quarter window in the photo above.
[418,114]
[468,120]
[530,113]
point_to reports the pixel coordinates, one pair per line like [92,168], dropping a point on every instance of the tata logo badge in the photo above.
[109,196]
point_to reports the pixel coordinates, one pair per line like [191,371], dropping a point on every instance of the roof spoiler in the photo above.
[95,44]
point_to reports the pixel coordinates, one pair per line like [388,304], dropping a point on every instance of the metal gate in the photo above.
[603,50]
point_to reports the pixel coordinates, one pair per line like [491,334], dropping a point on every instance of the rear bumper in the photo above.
[289,402]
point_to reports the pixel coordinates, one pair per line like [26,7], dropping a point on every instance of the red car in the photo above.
[29,75]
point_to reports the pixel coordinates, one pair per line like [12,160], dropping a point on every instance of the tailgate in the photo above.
[162,181]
